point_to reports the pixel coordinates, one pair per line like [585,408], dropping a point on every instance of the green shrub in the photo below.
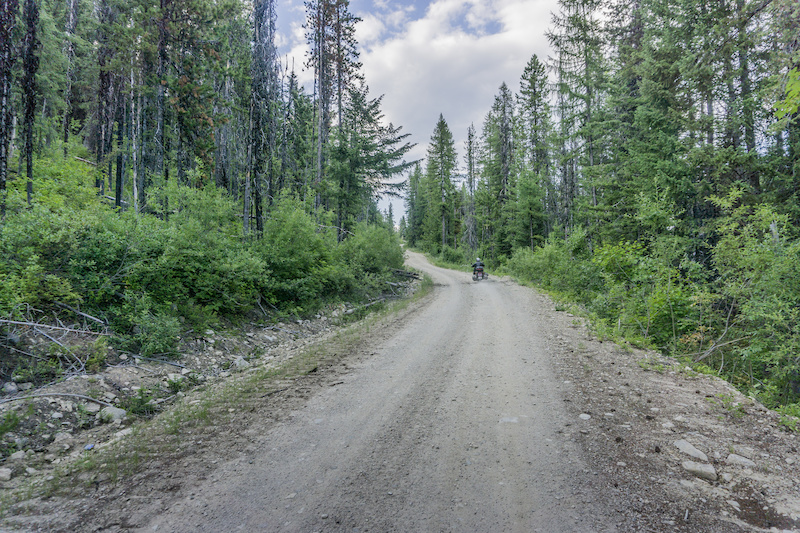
[144,328]
[142,404]
[561,266]
[298,257]
[372,249]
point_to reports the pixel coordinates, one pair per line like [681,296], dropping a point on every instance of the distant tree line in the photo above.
[650,168]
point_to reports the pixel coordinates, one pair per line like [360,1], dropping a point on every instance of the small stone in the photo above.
[727,477]
[744,451]
[123,357]
[5,474]
[92,407]
[240,363]
[17,456]
[584,416]
[57,415]
[61,436]
[667,425]
[25,386]
[112,414]
[31,471]
[679,419]
[734,459]
[789,461]
[10,388]
[703,471]
[735,505]
[690,450]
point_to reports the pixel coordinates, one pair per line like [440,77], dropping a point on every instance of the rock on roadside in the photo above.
[703,471]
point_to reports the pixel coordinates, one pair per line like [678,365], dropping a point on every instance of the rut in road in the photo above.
[453,425]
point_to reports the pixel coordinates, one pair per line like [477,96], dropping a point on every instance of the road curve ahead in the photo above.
[453,425]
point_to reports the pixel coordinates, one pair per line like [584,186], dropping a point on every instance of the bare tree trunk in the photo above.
[8,19]
[120,124]
[160,135]
[69,53]
[248,176]
[29,89]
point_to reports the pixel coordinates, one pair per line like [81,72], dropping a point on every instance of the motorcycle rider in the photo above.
[478,264]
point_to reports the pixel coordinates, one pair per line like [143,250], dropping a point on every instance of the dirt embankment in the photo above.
[478,408]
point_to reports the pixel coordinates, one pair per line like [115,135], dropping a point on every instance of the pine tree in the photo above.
[470,233]
[416,206]
[577,41]
[532,160]
[334,57]
[440,172]
[497,152]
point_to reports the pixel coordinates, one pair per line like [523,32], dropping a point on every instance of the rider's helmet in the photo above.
[478,259]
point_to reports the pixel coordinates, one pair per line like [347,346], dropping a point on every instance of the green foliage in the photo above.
[563,266]
[759,286]
[372,249]
[790,416]
[9,422]
[38,371]
[790,104]
[188,266]
[98,352]
[452,256]
[141,404]
[145,328]
[642,293]
[298,257]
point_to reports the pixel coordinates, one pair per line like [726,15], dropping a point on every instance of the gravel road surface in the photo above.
[454,424]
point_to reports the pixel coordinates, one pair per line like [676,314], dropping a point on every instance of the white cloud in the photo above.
[444,63]
[449,57]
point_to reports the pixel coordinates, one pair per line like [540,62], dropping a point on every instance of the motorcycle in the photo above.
[478,274]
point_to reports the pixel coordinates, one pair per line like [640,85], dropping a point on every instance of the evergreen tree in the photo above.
[416,206]
[579,66]
[470,233]
[497,153]
[440,172]
[535,193]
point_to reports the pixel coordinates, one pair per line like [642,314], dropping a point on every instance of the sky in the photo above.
[431,57]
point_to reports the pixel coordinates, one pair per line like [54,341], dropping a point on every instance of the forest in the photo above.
[162,171]
[648,171]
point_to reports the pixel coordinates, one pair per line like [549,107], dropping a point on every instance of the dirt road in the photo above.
[479,407]
[454,424]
